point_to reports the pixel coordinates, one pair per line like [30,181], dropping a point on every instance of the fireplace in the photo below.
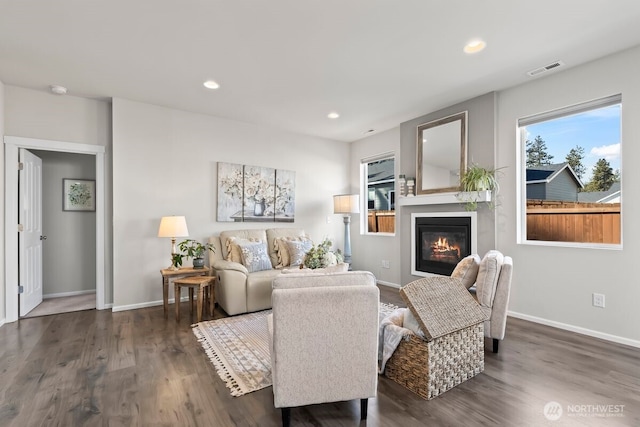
[440,240]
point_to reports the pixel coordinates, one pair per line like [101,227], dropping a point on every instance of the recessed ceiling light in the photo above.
[210,84]
[474,46]
[333,115]
[58,90]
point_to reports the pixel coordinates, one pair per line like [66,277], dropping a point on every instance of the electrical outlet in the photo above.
[598,300]
[385,263]
[328,219]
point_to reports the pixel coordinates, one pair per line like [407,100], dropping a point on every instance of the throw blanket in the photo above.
[390,334]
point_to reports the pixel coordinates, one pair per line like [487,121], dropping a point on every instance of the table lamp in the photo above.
[173,226]
[346,204]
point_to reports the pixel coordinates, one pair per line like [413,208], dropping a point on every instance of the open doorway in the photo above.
[69,236]
[12,147]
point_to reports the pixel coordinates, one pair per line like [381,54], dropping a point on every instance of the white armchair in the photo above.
[324,339]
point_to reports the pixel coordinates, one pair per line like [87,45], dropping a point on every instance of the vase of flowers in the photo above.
[321,256]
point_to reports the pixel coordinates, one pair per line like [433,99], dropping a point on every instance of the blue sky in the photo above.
[597,131]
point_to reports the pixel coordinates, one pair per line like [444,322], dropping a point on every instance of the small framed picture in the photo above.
[78,195]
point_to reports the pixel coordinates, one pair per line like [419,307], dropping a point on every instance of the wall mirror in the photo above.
[442,154]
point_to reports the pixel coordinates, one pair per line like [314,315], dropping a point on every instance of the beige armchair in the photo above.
[324,339]
[491,289]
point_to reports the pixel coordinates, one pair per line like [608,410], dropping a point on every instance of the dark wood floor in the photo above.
[136,368]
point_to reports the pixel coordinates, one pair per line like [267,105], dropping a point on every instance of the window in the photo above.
[379,194]
[572,171]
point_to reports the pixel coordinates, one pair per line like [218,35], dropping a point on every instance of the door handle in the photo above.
[43,237]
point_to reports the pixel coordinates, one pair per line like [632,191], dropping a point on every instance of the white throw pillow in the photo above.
[467,270]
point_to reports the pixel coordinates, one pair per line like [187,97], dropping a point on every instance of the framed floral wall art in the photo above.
[255,194]
[78,195]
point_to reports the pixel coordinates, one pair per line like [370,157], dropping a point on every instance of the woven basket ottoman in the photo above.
[453,349]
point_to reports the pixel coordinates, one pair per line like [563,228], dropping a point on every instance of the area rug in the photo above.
[238,347]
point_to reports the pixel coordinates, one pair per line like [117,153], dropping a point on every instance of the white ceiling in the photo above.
[288,63]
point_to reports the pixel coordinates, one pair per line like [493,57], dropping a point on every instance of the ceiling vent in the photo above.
[541,70]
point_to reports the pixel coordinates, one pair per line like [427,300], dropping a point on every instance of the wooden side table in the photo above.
[168,274]
[205,286]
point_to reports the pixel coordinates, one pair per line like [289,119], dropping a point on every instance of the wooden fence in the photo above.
[573,221]
[382,221]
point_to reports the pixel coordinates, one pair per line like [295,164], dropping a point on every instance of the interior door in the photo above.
[30,240]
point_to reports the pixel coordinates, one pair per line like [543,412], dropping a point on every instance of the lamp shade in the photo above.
[346,203]
[173,226]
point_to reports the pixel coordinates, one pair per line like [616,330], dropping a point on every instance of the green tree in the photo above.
[603,177]
[537,154]
[574,158]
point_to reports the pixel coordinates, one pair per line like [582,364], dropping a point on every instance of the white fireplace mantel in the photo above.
[444,198]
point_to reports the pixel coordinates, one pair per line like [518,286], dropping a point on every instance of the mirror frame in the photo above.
[462,117]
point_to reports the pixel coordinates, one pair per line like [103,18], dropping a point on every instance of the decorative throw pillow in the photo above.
[284,258]
[467,270]
[255,256]
[297,250]
[234,254]
[487,280]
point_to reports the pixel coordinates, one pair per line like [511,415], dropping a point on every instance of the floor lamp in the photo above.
[173,226]
[346,204]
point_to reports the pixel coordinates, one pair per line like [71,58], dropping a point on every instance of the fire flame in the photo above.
[442,245]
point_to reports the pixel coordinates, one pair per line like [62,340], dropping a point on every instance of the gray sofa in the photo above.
[238,290]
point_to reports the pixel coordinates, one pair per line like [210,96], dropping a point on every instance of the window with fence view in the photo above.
[573,172]
[379,182]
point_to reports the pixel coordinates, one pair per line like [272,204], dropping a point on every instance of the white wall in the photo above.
[40,114]
[554,284]
[69,253]
[2,133]
[165,162]
[368,251]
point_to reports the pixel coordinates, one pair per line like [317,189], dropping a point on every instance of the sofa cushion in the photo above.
[467,270]
[254,256]
[487,279]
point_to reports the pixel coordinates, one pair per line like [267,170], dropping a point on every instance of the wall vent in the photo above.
[552,66]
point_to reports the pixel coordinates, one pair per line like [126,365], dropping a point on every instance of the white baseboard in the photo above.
[115,308]
[576,329]
[2,322]
[389,284]
[68,294]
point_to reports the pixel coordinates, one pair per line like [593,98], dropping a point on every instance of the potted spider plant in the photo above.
[478,184]
[192,249]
